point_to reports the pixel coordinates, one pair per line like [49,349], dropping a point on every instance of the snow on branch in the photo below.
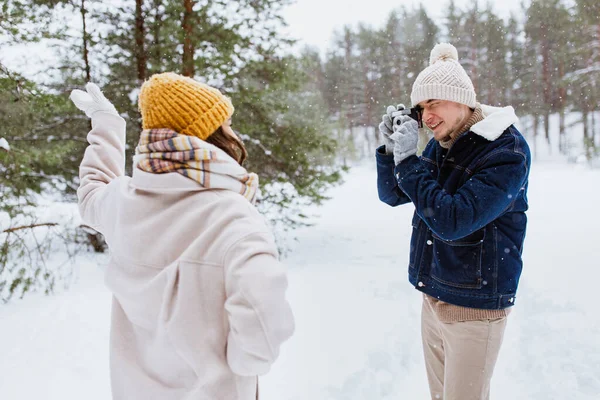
[4,144]
[591,69]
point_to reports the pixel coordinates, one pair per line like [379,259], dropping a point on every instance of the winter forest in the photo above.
[308,118]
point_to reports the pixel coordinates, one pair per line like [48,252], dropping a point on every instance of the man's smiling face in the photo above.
[444,117]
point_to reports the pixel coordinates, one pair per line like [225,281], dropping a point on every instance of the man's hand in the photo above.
[405,138]
[387,127]
[92,100]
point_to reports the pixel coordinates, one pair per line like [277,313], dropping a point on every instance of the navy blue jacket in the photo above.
[469,221]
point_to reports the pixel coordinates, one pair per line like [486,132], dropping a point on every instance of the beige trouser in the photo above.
[460,356]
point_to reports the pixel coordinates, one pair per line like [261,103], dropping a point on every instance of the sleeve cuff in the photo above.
[406,165]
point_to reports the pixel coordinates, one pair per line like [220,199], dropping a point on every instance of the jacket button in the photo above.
[420,284]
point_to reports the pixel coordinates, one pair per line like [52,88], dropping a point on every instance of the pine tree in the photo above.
[26,21]
[453,24]
[493,64]
[38,125]
[286,130]
[545,40]
[370,76]
[565,36]
[393,81]
[515,93]
[420,33]
[235,47]
[470,47]
[586,74]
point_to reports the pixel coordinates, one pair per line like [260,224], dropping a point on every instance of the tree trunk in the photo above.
[156,52]
[586,133]
[350,139]
[348,101]
[140,51]
[536,123]
[188,43]
[368,120]
[367,132]
[562,95]
[547,130]
[96,239]
[562,141]
[474,75]
[86,63]
[593,131]
[546,89]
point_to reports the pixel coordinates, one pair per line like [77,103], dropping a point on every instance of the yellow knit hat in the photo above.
[173,101]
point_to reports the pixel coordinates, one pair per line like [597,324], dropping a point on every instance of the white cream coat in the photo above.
[199,308]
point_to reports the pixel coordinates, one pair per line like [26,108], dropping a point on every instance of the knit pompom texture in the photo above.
[443,52]
[444,79]
[189,107]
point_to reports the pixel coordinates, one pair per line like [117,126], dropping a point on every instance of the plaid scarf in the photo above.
[163,150]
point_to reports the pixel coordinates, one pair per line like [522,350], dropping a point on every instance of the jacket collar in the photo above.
[495,121]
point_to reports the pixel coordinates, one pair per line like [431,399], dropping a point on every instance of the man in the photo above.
[469,189]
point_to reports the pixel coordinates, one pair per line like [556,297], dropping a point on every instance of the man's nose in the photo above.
[426,117]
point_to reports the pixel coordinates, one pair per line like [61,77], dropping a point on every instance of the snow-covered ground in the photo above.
[357,316]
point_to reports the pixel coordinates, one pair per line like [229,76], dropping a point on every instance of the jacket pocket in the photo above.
[457,263]
[414,241]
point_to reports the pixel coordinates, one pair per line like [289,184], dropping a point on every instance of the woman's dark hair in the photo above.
[232,146]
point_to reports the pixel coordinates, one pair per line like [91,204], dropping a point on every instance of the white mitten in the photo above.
[405,139]
[92,100]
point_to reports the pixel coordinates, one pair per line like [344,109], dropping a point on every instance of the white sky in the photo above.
[314,21]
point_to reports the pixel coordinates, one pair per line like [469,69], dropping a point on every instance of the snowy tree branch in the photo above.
[19,228]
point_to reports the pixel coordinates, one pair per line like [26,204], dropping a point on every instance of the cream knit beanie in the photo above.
[443,79]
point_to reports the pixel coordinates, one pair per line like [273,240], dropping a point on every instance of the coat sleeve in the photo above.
[260,317]
[387,186]
[103,161]
[483,198]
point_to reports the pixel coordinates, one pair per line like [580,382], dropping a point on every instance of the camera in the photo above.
[415,113]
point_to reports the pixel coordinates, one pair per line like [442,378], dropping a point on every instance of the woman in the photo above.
[199,308]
